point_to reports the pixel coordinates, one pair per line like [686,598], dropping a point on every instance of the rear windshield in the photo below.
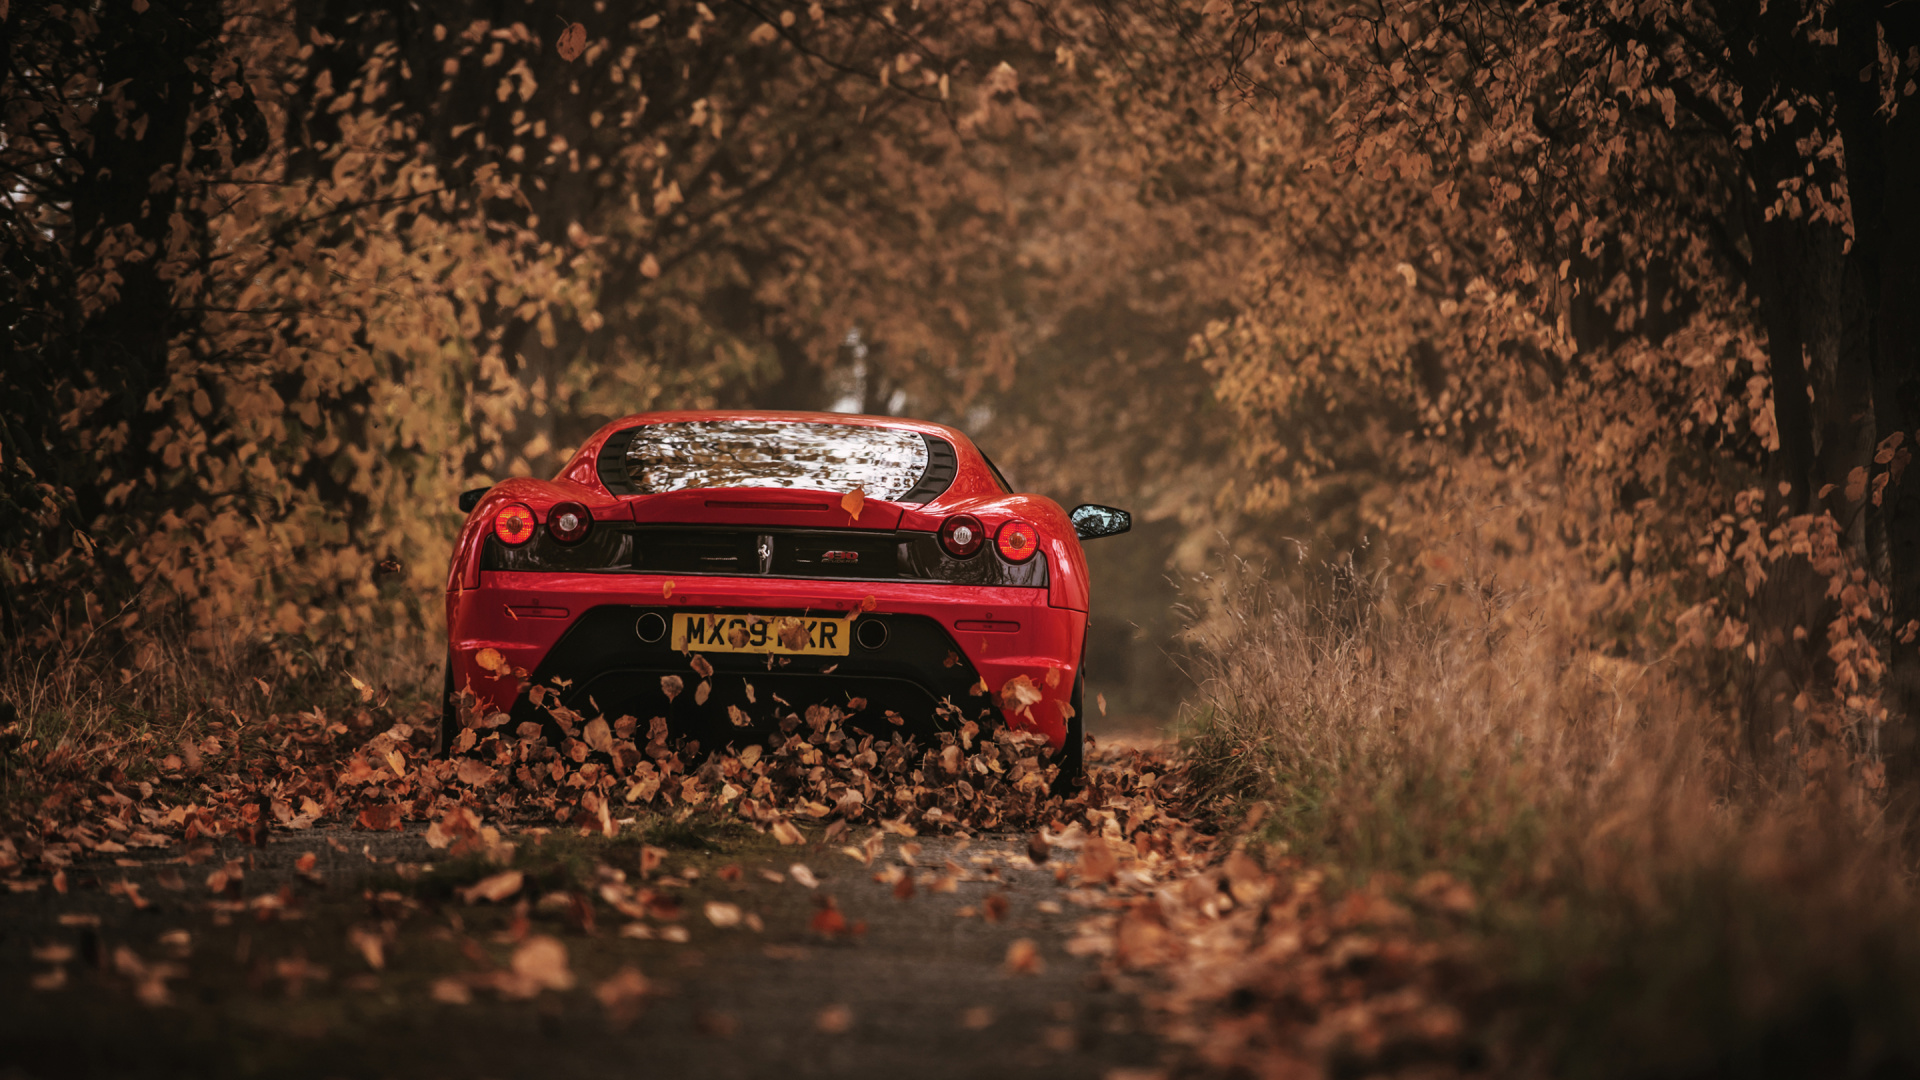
[885,463]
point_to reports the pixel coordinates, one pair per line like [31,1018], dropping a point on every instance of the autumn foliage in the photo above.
[1586,327]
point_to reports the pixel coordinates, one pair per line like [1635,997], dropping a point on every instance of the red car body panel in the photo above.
[1003,631]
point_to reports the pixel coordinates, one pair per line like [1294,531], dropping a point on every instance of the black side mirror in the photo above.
[471,499]
[1090,521]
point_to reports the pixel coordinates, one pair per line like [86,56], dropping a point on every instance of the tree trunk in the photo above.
[1883,181]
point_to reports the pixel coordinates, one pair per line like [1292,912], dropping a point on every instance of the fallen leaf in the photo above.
[494,888]
[1023,958]
[800,873]
[379,818]
[371,945]
[1038,849]
[834,1019]
[1098,864]
[723,914]
[542,961]
[994,907]
[622,995]
[784,832]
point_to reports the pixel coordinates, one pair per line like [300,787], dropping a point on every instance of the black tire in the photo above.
[449,717]
[1073,753]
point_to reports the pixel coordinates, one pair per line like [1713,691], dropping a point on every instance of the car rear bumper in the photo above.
[582,633]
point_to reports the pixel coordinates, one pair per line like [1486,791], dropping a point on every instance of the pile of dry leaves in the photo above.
[1253,967]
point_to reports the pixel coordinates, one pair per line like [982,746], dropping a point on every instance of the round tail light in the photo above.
[513,524]
[568,522]
[962,535]
[1017,540]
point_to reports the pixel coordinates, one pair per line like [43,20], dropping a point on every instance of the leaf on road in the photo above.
[1023,958]
[385,818]
[494,888]
[541,962]
[834,1019]
[622,995]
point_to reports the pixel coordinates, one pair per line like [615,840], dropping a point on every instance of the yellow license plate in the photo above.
[796,635]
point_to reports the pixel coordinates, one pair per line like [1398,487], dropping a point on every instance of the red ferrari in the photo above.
[879,565]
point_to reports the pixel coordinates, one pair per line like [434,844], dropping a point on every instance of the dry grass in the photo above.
[1652,903]
[92,695]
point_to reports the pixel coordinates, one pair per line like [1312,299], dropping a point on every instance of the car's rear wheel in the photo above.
[1073,752]
[449,716]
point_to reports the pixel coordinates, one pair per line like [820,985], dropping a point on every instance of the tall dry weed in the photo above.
[71,699]
[1664,903]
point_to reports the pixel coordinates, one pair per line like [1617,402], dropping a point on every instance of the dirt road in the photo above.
[140,969]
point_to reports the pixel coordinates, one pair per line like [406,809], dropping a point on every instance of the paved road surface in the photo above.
[923,993]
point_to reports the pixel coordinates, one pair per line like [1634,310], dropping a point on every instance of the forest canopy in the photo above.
[1606,303]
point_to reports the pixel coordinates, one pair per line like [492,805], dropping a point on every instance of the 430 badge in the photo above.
[797,635]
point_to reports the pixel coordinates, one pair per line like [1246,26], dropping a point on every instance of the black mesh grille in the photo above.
[845,554]
[695,551]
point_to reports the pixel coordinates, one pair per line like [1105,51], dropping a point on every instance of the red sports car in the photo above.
[880,565]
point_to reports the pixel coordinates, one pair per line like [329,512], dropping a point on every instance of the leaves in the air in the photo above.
[853,502]
[802,875]
[573,42]
[671,685]
[791,632]
[1019,693]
